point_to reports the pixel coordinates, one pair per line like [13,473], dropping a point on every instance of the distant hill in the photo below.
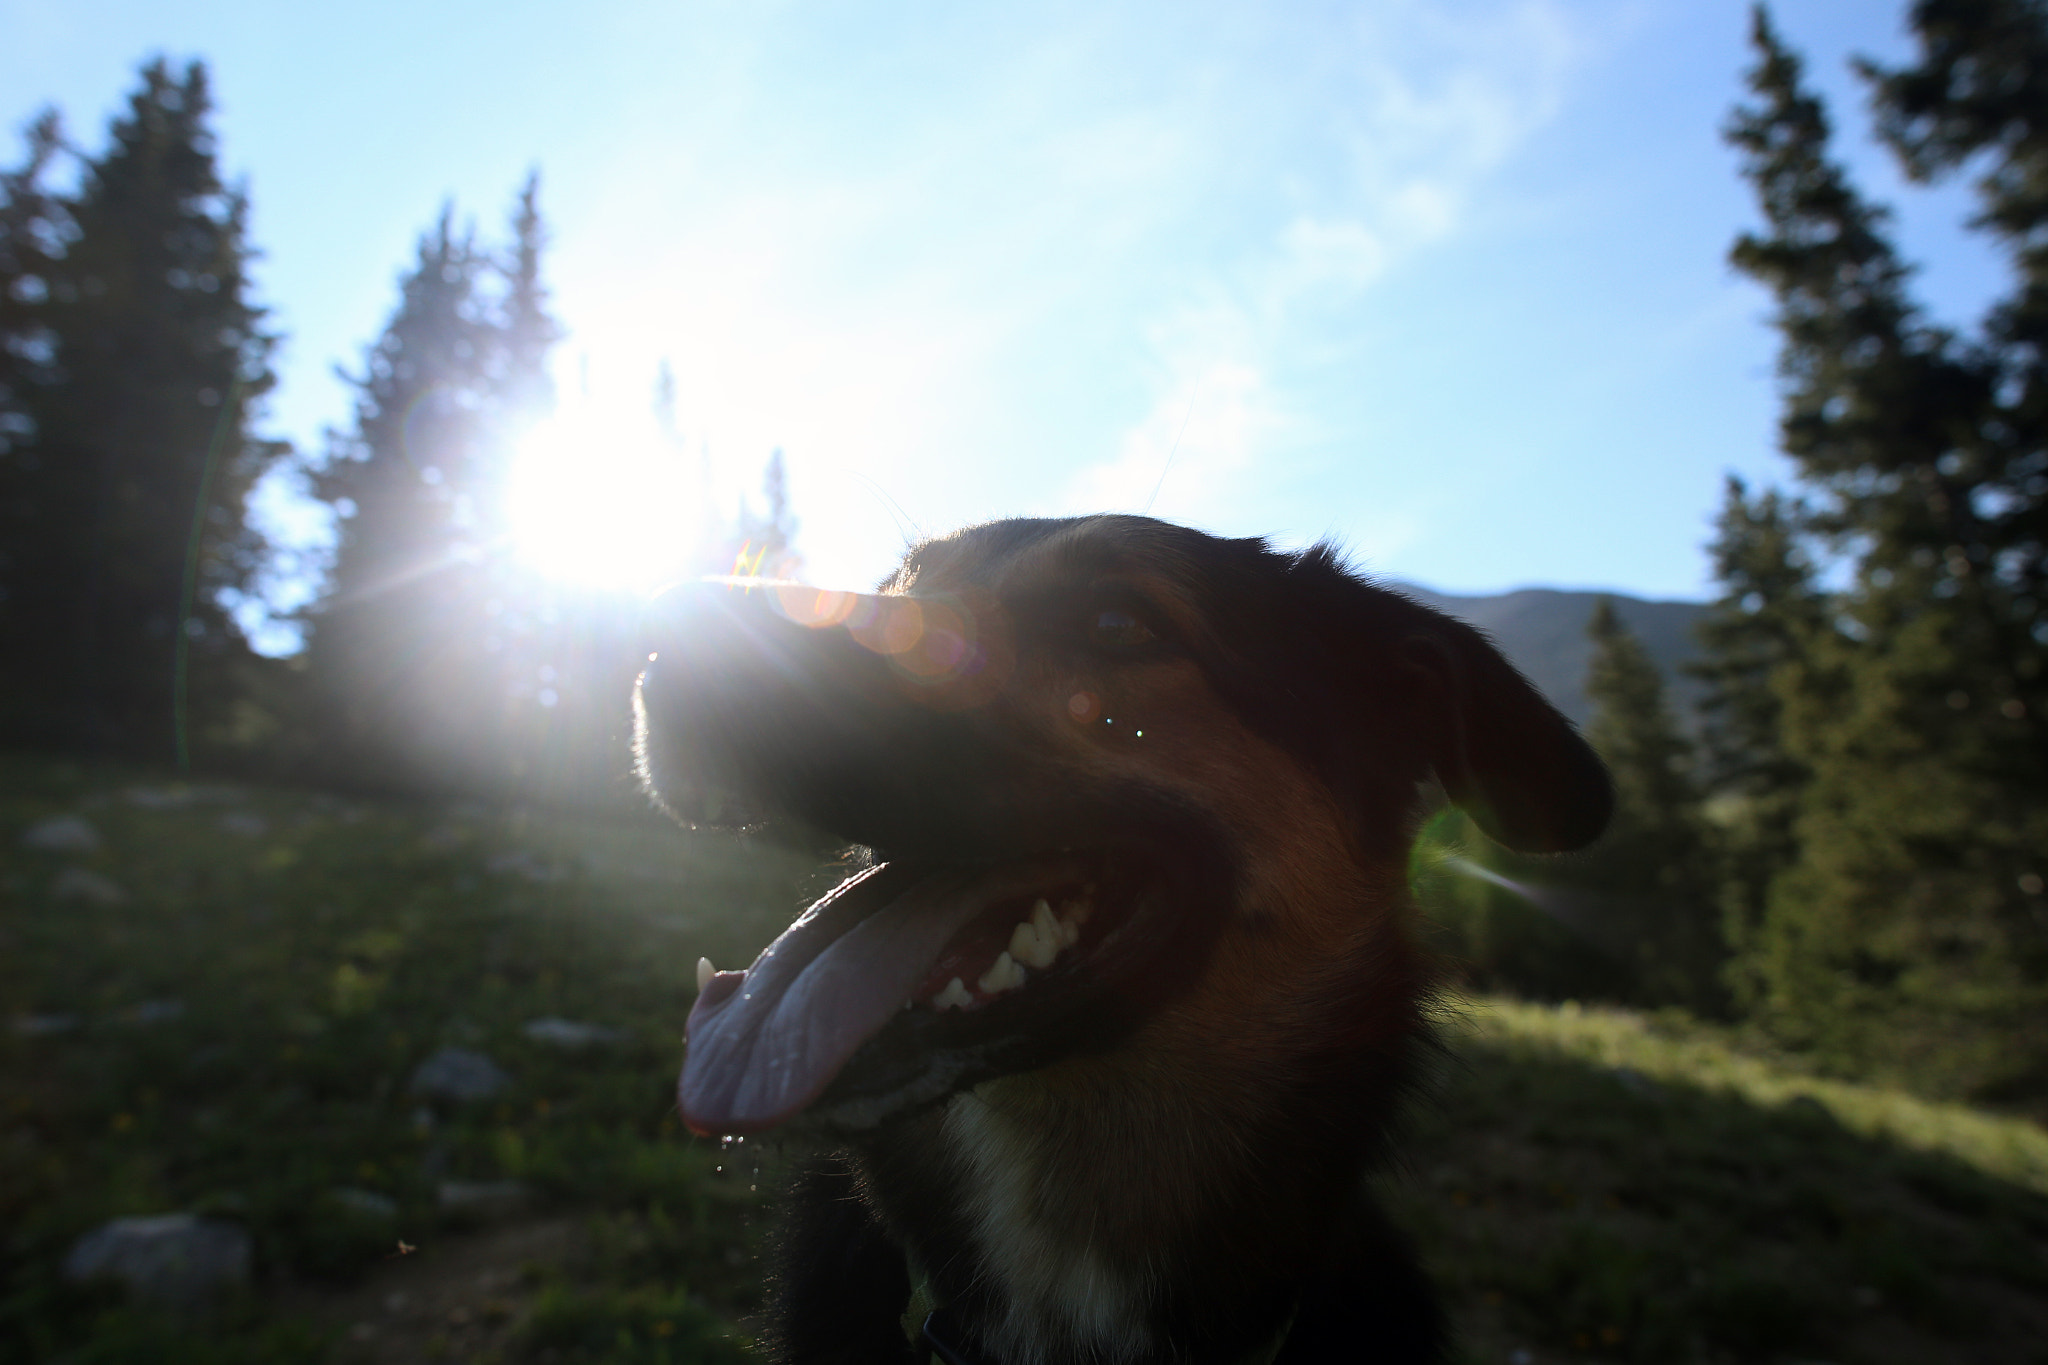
[1544,631]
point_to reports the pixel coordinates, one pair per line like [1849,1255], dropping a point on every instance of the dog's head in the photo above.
[1118,778]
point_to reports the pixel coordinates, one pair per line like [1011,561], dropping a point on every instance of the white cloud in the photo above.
[1202,435]
[1405,120]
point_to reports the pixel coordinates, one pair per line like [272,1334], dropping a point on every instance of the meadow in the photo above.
[240,1002]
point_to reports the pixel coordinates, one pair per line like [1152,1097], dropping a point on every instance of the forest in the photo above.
[1836,860]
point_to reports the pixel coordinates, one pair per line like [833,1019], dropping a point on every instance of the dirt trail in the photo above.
[452,1299]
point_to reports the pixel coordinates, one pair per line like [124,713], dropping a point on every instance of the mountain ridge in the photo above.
[1543,630]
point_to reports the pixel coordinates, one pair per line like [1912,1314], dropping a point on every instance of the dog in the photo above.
[1105,1035]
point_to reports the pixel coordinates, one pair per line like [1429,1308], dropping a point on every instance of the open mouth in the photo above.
[953,958]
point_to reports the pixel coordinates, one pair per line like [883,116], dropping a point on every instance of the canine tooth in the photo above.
[705,971]
[954,997]
[1037,941]
[1031,945]
[1003,974]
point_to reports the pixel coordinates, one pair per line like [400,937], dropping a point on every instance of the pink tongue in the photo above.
[765,1042]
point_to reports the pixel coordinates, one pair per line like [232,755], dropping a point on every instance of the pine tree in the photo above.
[1754,637]
[1910,932]
[1652,865]
[129,412]
[529,331]
[32,228]
[433,648]
[392,643]
[768,541]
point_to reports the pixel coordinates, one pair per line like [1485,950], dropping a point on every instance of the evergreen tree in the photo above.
[1910,931]
[392,643]
[32,228]
[135,361]
[1652,865]
[1754,637]
[529,330]
[768,541]
[432,648]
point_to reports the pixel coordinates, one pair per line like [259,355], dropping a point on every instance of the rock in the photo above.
[42,1025]
[246,823]
[83,884]
[180,795]
[365,1203]
[154,1012]
[484,1199]
[62,834]
[570,1033]
[457,1073]
[1636,1083]
[173,1258]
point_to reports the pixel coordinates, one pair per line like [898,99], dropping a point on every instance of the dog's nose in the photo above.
[849,710]
[939,644]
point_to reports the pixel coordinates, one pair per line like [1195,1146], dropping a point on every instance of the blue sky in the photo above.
[1443,279]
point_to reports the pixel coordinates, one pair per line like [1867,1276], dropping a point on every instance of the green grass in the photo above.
[1606,1185]
[1684,1051]
[235,1037]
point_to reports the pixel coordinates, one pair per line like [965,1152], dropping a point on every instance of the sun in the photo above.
[603,501]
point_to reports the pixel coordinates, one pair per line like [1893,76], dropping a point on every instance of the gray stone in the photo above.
[154,1012]
[83,884]
[173,1258]
[457,1073]
[1636,1083]
[180,795]
[484,1199]
[62,834]
[41,1025]
[246,823]
[570,1033]
[365,1203]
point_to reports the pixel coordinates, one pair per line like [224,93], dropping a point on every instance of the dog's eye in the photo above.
[1118,629]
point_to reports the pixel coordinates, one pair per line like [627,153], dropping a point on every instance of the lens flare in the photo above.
[603,502]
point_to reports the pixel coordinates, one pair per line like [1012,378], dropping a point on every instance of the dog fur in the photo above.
[1156,1150]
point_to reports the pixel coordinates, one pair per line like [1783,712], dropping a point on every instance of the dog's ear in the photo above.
[1505,755]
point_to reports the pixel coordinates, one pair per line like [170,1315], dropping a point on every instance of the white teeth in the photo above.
[1036,942]
[705,971]
[1024,945]
[1005,974]
[1050,932]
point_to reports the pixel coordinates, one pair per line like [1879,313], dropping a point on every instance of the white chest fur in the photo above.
[1066,1299]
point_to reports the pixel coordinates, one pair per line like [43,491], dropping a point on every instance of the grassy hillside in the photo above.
[219,1000]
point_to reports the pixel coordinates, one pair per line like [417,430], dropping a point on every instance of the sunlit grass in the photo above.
[1686,1052]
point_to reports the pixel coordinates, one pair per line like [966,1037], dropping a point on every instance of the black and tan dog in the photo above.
[1111,1028]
